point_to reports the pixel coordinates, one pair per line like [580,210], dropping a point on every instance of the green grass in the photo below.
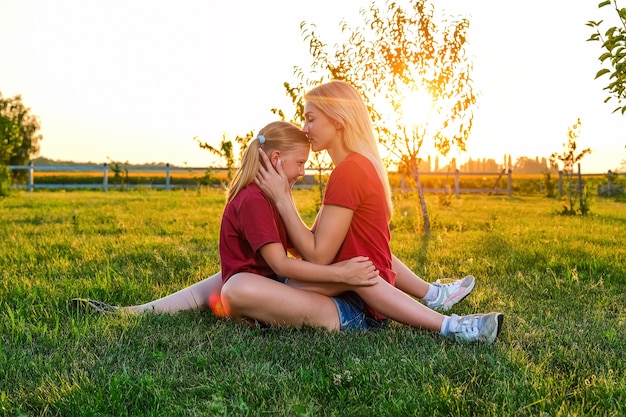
[560,280]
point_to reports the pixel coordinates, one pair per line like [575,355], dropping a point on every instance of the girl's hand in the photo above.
[358,271]
[273,182]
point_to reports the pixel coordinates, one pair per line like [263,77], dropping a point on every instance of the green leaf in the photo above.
[594,37]
[605,56]
[604,3]
[602,72]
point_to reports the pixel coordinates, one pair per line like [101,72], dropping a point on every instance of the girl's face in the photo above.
[293,162]
[321,129]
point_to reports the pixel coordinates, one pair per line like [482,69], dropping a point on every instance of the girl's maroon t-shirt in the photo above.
[250,220]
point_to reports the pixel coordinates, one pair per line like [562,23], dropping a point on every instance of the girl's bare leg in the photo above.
[252,296]
[197,297]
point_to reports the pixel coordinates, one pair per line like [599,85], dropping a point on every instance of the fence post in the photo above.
[509,186]
[457,183]
[560,183]
[105,178]
[31,176]
[167,176]
[580,190]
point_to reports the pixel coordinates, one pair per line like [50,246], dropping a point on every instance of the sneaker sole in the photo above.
[490,336]
[93,305]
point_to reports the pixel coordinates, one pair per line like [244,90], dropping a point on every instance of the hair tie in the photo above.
[261,139]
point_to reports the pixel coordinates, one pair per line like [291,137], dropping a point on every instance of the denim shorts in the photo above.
[278,278]
[353,313]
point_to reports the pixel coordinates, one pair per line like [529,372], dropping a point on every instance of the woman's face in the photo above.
[293,162]
[320,129]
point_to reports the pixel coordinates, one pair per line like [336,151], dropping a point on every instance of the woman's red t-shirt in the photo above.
[355,184]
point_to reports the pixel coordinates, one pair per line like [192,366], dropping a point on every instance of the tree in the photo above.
[118,169]
[568,159]
[614,54]
[9,137]
[19,140]
[413,75]
[526,165]
[19,137]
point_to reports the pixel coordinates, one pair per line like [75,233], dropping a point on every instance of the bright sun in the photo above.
[416,112]
[417,107]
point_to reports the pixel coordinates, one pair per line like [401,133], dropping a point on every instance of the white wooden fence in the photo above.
[309,180]
[102,184]
[458,190]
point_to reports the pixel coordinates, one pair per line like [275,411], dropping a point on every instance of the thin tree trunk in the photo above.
[580,192]
[571,202]
[420,193]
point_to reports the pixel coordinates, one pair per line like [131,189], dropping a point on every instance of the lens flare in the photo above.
[215,303]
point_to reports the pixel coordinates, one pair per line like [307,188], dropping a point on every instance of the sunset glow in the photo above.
[138,86]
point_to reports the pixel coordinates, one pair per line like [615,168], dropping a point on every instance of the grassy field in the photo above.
[560,280]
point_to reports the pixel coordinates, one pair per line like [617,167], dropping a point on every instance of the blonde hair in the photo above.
[282,136]
[342,103]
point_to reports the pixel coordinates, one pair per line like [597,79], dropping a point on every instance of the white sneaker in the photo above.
[482,328]
[452,293]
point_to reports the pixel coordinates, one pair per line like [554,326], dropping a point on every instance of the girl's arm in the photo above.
[357,271]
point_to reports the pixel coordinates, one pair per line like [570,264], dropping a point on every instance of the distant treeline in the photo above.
[522,165]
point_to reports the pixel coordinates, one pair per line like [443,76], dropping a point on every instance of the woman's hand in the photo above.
[273,182]
[358,271]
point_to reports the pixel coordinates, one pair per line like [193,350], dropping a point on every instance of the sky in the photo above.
[137,80]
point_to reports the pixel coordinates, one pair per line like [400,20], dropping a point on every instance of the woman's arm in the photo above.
[357,271]
[332,222]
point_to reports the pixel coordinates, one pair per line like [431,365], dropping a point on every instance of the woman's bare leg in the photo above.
[407,281]
[386,299]
[395,304]
[252,296]
[437,296]
[197,297]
